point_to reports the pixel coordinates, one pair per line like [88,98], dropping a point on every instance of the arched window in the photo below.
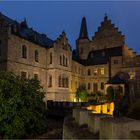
[36,55]
[0,48]
[60,60]
[50,58]
[24,51]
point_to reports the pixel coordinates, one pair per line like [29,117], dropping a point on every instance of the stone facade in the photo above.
[60,70]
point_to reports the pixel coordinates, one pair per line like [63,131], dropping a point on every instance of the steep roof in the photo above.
[98,57]
[119,78]
[22,30]
[83,30]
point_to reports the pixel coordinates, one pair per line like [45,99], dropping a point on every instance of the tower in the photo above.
[82,43]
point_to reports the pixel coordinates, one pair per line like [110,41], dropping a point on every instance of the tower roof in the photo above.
[83,30]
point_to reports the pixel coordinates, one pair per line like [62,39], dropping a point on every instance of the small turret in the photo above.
[82,43]
[83,30]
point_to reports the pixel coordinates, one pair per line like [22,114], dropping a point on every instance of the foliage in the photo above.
[81,94]
[134,110]
[99,97]
[110,93]
[22,110]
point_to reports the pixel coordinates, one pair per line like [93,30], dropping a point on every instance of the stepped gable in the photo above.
[108,35]
[22,30]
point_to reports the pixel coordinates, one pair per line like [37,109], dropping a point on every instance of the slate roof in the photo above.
[22,30]
[98,57]
[120,78]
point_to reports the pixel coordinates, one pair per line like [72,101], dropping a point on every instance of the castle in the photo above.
[62,70]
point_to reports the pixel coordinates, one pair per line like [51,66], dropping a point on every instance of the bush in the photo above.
[134,110]
[81,94]
[22,110]
[110,93]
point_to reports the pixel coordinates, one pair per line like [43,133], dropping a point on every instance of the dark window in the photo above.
[50,81]
[102,85]
[63,60]
[23,75]
[59,81]
[24,51]
[95,87]
[66,62]
[36,55]
[50,58]
[89,72]
[91,55]
[116,61]
[81,51]
[88,86]
[67,82]
[36,76]
[103,53]
[60,60]
[0,49]
[63,82]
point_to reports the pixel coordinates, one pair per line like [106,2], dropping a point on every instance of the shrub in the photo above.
[22,110]
[110,93]
[81,94]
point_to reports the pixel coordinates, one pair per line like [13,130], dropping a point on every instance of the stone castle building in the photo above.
[62,70]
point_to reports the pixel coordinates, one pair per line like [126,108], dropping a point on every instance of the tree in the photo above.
[22,110]
[110,93]
[81,93]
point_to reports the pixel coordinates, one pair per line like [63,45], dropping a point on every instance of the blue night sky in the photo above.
[52,18]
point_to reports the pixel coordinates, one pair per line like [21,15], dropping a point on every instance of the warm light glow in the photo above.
[106,108]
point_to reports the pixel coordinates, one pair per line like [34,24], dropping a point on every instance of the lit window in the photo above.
[89,72]
[36,55]
[132,75]
[95,71]
[23,74]
[102,71]
[36,76]
[24,51]
[50,58]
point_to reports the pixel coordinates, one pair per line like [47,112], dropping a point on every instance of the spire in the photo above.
[24,23]
[105,17]
[83,30]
